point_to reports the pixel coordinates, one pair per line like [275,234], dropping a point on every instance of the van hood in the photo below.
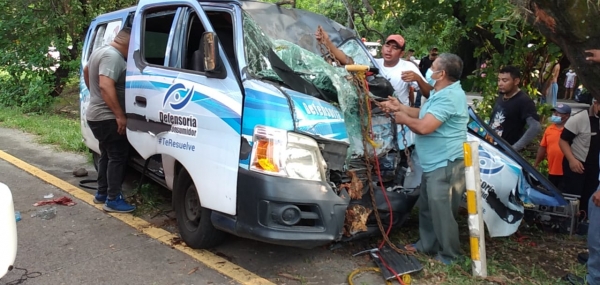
[534,187]
[323,122]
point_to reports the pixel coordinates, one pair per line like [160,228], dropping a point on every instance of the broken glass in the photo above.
[334,82]
[354,50]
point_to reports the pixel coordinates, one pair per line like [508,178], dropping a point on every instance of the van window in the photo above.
[223,27]
[104,34]
[157,27]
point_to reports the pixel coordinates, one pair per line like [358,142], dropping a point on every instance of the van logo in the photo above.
[488,165]
[175,95]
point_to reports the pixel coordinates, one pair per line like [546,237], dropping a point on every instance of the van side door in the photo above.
[178,109]
[99,34]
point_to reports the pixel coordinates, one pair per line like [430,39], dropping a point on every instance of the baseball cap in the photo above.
[562,108]
[397,38]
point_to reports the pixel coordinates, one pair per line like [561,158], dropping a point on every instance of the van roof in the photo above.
[295,25]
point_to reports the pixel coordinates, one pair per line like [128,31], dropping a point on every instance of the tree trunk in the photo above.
[573,25]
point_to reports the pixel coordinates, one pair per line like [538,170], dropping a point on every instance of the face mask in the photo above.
[555,119]
[428,77]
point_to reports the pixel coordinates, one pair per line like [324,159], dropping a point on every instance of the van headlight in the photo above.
[287,154]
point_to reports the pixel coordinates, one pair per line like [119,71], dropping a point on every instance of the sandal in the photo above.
[412,248]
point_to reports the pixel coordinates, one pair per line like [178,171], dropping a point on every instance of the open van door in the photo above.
[183,98]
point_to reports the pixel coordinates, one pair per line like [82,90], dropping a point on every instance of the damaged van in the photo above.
[231,105]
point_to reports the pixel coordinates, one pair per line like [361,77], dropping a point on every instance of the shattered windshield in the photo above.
[353,49]
[287,62]
[257,47]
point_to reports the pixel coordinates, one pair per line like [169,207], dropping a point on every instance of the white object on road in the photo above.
[8,230]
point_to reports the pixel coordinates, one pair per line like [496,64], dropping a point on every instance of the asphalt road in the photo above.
[83,245]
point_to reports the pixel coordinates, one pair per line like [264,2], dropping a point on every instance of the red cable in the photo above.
[378,170]
[387,200]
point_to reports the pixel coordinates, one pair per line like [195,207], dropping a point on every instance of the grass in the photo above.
[541,258]
[148,199]
[54,129]
[59,126]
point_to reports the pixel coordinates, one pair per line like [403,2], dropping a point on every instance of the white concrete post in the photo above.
[476,227]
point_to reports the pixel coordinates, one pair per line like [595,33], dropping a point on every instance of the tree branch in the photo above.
[364,24]
[368,6]
[287,2]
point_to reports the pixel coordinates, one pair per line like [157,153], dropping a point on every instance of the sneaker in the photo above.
[99,198]
[118,206]
[573,279]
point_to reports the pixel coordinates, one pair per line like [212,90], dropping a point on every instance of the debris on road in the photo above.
[49,196]
[290,276]
[176,241]
[65,201]
[193,270]
[80,172]
[45,214]
[17,215]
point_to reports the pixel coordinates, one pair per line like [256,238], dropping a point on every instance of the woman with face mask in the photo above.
[549,147]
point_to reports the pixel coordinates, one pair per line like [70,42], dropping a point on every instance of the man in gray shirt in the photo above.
[105,78]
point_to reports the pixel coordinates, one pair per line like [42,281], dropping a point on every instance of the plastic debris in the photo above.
[65,201]
[46,213]
[49,196]
[17,215]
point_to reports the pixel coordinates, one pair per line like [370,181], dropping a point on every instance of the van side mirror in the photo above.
[210,45]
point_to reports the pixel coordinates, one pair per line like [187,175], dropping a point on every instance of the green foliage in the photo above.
[31,77]
[61,131]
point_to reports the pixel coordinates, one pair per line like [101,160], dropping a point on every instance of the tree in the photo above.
[573,26]
[28,28]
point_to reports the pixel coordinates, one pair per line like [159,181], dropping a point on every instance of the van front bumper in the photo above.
[285,211]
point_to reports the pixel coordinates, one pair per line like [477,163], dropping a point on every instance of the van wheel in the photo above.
[193,221]
[96,160]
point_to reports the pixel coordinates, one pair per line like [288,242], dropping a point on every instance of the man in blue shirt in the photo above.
[441,129]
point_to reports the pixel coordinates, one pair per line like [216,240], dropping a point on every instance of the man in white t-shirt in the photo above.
[400,73]
[391,66]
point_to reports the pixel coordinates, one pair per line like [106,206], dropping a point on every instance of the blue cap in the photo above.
[562,108]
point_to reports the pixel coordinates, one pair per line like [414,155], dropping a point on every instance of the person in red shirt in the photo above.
[549,145]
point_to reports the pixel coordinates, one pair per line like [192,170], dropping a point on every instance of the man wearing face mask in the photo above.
[513,110]
[549,145]
[440,128]
[580,143]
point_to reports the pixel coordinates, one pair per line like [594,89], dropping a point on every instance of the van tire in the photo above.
[193,221]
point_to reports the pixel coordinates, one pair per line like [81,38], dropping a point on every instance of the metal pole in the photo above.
[476,227]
